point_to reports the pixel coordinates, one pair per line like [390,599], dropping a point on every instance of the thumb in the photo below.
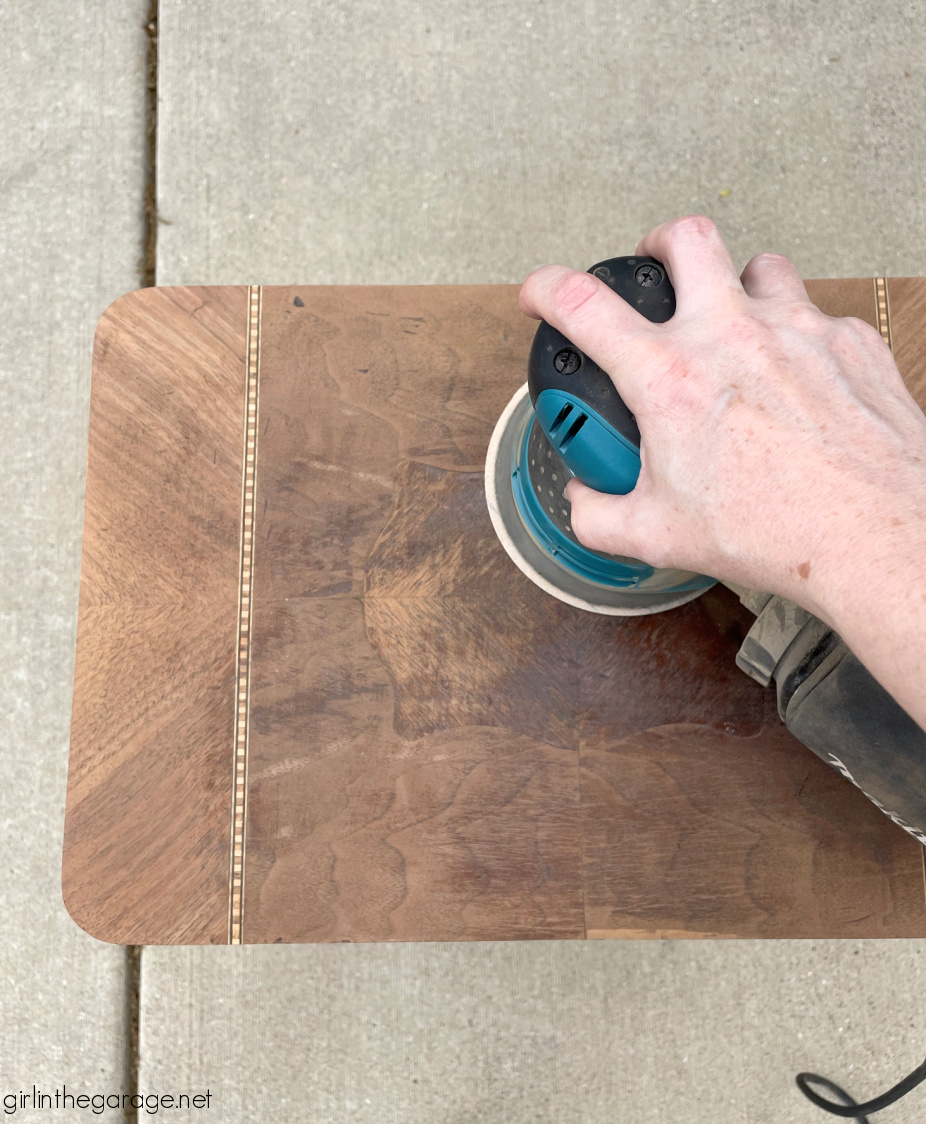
[604,522]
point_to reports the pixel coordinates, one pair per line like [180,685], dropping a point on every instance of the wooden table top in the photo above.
[315,701]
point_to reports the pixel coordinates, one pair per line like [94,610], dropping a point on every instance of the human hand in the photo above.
[779,445]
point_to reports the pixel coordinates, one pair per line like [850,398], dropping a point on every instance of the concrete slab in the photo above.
[548,1032]
[388,142]
[71,170]
[440,143]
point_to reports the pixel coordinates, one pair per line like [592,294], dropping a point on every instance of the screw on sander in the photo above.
[648,275]
[566,362]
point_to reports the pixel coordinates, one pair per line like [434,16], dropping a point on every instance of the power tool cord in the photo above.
[850,1108]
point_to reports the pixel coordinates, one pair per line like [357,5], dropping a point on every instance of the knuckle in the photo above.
[805,318]
[769,260]
[572,293]
[700,225]
[536,284]
[859,328]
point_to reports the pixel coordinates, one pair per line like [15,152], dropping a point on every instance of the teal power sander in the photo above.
[568,420]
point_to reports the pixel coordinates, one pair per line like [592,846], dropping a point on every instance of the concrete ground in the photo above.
[415,142]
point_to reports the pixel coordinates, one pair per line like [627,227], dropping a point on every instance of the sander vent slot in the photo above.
[560,418]
[572,431]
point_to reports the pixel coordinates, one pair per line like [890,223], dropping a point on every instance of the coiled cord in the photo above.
[850,1108]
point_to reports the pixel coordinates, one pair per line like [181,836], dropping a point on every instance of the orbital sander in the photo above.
[569,421]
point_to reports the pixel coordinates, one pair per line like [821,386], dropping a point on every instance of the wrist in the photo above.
[875,555]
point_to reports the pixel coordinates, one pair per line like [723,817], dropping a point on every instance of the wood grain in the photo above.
[149,781]
[907,301]
[437,750]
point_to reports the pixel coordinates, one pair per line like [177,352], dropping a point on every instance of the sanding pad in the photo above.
[537,563]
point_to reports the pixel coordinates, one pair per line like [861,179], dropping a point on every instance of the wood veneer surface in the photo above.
[433,748]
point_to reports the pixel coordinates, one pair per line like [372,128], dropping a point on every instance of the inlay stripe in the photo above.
[883,310]
[239,814]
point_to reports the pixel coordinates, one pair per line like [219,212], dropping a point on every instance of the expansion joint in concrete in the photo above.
[148,267]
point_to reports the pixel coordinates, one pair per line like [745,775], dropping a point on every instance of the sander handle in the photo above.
[578,407]
[832,704]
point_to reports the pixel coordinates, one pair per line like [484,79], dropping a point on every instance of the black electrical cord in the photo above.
[850,1108]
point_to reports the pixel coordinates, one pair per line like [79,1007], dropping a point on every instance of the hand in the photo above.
[779,445]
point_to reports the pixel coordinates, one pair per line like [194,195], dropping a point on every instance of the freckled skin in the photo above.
[820,519]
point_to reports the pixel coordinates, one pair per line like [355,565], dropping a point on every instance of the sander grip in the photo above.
[841,712]
[832,704]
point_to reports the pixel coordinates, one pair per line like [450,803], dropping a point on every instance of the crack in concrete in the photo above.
[148,265]
[148,275]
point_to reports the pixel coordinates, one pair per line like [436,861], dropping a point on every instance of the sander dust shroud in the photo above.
[569,420]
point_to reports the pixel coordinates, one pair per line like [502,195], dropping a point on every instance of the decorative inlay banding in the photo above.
[239,817]
[883,310]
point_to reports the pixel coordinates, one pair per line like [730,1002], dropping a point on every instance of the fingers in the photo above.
[603,522]
[772,275]
[595,319]
[699,264]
